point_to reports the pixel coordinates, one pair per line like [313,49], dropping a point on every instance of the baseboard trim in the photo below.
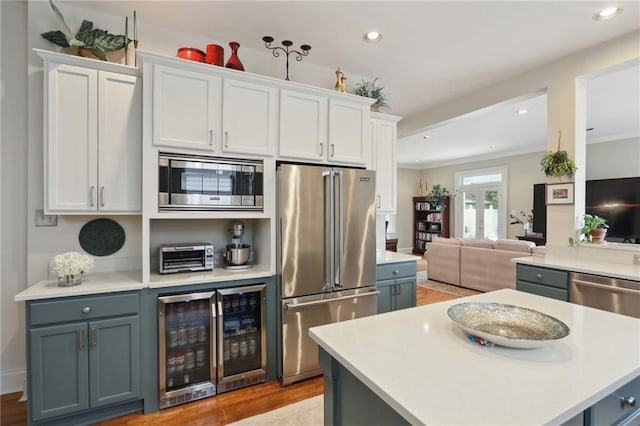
[13,382]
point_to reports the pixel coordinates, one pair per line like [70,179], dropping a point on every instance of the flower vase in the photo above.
[69,280]
[234,61]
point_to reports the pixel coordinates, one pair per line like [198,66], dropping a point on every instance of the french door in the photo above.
[481,204]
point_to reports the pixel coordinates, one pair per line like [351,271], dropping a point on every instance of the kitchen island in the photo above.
[417,366]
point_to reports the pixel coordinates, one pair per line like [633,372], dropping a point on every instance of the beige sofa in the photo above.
[481,265]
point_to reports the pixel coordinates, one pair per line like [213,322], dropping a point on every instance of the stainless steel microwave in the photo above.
[189,182]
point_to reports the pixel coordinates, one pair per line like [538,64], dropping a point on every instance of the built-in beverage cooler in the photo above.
[210,342]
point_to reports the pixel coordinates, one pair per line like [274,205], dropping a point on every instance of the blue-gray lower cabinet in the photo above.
[548,282]
[397,285]
[84,358]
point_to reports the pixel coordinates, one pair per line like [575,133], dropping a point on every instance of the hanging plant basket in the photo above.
[558,163]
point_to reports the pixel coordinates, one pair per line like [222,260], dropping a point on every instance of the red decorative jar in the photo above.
[234,61]
[215,55]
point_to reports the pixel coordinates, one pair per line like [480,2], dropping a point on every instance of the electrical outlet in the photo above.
[46,219]
[636,259]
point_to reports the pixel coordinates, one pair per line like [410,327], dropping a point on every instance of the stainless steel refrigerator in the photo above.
[326,254]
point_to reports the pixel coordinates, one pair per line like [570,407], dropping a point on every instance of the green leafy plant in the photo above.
[592,222]
[435,196]
[558,163]
[88,38]
[372,89]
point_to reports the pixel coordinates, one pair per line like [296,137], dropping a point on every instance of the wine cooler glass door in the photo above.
[187,341]
[241,337]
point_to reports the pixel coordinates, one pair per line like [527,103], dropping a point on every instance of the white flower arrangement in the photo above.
[69,265]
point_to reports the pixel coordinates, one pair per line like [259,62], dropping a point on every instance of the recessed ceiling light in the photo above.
[608,13]
[373,36]
[523,111]
[426,137]
[492,146]
[417,161]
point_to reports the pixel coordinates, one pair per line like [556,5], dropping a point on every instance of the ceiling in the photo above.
[431,52]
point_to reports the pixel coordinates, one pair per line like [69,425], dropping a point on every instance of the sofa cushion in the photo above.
[452,241]
[488,244]
[514,245]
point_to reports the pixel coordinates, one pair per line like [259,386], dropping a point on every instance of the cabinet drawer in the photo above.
[609,410]
[395,270]
[546,276]
[543,290]
[73,309]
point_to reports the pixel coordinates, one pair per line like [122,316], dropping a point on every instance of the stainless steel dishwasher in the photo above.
[609,294]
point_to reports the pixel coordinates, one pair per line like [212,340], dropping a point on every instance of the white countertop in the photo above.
[383,256]
[107,282]
[217,275]
[423,365]
[110,282]
[587,266]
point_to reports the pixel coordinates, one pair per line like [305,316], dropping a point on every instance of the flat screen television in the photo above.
[618,201]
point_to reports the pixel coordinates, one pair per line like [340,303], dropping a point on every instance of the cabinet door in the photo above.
[348,132]
[405,294]
[58,362]
[249,118]
[71,99]
[119,143]
[384,139]
[385,298]
[303,126]
[186,109]
[114,354]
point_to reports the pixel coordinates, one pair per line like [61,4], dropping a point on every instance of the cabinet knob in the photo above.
[396,272]
[86,310]
[539,276]
[627,402]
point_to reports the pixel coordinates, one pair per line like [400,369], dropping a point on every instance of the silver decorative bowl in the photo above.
[508,325]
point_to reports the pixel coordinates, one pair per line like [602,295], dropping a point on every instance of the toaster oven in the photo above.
[186,257]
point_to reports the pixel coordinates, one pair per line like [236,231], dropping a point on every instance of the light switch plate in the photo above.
[46,219]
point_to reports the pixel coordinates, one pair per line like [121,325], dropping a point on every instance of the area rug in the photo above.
[446,288]
[308,412]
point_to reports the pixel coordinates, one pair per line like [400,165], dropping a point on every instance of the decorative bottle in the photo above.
[234,61]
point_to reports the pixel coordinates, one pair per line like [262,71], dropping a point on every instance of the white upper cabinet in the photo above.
[348,132]
[186,109]
[384,135]
[93,138]
[249,118]
[303,126]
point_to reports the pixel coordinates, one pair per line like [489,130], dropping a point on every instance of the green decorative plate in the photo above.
[101,237]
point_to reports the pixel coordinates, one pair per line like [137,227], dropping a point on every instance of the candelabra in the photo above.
[287,44]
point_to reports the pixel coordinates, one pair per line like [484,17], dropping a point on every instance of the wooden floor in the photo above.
[219,410]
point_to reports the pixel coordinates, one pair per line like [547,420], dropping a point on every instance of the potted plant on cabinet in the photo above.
[435,196]
[372,89]
[595,228]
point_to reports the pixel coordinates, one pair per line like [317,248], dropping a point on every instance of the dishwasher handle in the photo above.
[288,305]
[604,286]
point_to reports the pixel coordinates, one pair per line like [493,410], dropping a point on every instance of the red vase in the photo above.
[234,61]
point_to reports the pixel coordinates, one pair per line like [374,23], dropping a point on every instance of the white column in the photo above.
[567,112]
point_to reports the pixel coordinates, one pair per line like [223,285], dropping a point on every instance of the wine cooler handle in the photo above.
[217,333]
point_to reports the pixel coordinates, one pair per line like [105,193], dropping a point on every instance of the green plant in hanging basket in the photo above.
[558,163]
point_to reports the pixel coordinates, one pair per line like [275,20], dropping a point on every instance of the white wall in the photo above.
[408,187]
[14,192]
[615,159]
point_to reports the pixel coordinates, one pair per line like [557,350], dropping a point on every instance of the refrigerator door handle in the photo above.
[328,281]
[340,232]
[288,305]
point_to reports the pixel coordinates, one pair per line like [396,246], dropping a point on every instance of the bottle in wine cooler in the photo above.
[190,359]
[243,347]
[226,354]
[171,363]
[179,361]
